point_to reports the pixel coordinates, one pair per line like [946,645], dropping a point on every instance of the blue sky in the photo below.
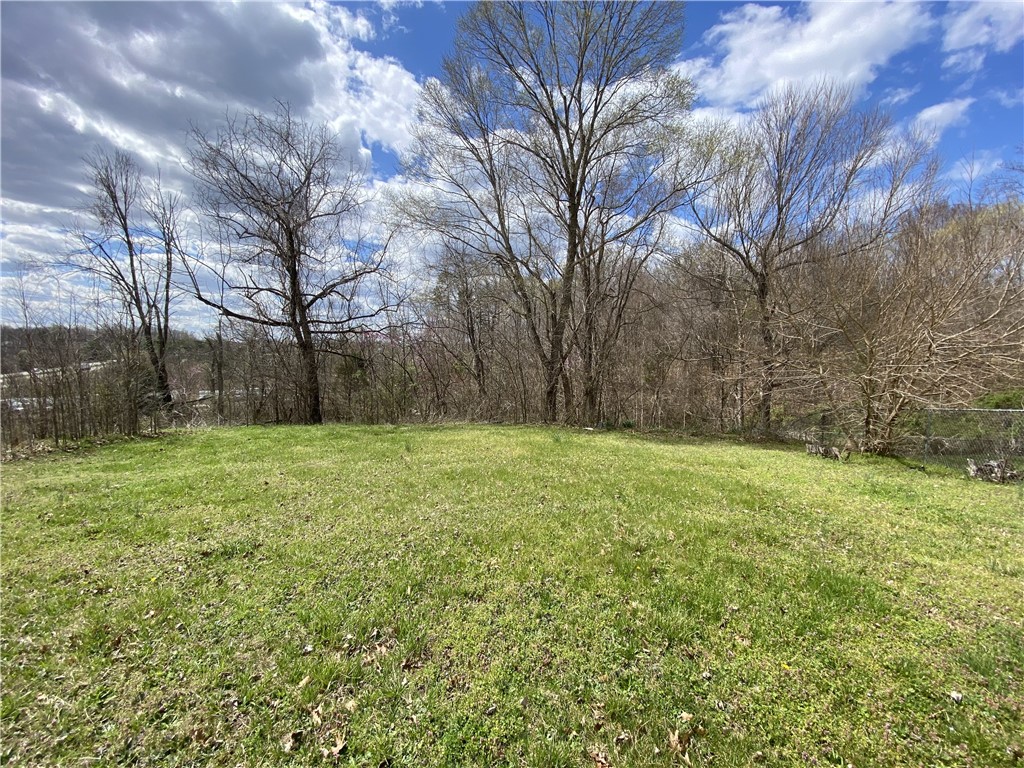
[81,76]
[955,69]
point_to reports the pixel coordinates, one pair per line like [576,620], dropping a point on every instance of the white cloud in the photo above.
[973,29]
[135,75]
[974,168]
[767,46]
[997,25]
[934,120]
[1010,99]
[967,61]
[339,21]
[712,116]
[896,96]
[363,97]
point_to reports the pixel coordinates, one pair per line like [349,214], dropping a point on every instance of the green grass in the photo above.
[504,596]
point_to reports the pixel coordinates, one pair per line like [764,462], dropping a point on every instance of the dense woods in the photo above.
[583,252]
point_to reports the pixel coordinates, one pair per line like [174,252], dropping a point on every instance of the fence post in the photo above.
[927,432]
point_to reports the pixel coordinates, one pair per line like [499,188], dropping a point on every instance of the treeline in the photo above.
[583,251]
[926,318]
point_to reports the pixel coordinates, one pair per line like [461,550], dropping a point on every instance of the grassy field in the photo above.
[504,596]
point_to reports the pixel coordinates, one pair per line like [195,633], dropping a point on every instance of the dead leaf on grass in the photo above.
[304,682]
[599,757]
[340,742]
[674,744]
[680,744]
[375,653]
[412,663]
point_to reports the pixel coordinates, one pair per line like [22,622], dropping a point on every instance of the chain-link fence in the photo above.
[952,436]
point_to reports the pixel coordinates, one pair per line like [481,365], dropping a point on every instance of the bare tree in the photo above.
[550,145]
[130,241]
[934,314]
[286,202]
[462,293]
[1008,181]
[810,176]
[703,288]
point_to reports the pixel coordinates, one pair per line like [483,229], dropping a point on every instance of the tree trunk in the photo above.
[479,369]
[158,362]
[591,401]
[560,317]
[309,384]
[588,351]
[571,413]
[216,346]
[551,379]
[767,356]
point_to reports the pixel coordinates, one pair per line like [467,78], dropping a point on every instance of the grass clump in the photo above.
[504,596]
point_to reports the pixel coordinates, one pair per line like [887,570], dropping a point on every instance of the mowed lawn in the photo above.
[460,596]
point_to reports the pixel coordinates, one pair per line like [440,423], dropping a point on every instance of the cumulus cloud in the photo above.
[764,46]
[934,120]
[136,75]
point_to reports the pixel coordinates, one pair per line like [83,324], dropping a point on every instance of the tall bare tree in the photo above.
[460,301]
[810,176]
[286,201]
[934,314]
[551,143]
[129,240]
